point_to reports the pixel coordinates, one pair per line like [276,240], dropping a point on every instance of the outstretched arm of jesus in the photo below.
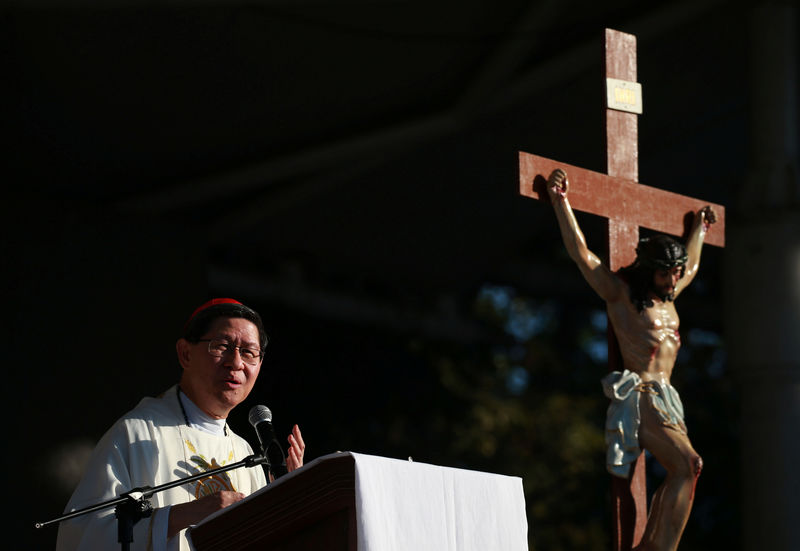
[602,280]
[694,245]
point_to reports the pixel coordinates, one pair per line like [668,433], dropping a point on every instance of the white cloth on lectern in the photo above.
[408,506]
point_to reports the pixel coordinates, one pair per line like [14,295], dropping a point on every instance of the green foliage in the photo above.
[517,406]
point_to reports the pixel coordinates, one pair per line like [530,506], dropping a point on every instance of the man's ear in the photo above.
[184,350]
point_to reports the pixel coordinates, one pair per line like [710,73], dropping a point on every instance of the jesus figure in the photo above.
[645,410]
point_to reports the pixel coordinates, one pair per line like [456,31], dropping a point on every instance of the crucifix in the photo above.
[627,206]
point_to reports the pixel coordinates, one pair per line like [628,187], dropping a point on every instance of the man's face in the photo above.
[664,281]
[218,384]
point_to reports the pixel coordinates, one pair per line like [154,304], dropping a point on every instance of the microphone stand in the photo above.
[135,505]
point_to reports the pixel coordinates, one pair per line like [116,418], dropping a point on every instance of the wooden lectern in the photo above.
[354,502]
[314,509]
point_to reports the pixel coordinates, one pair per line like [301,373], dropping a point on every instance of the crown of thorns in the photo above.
[661,252]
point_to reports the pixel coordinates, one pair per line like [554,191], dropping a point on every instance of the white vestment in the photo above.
[149,446]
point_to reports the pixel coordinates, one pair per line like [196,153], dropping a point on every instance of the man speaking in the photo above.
[180,433]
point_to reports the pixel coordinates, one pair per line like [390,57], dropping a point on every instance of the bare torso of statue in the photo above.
[639,301]
[649,340]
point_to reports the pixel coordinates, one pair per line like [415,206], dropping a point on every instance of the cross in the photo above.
[627,206]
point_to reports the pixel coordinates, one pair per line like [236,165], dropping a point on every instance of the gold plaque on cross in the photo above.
[623,95]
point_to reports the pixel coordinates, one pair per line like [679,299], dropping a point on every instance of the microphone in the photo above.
[261,419]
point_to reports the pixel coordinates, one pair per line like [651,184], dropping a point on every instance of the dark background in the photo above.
[349,169]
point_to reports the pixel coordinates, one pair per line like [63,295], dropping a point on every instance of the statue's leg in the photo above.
[672,501]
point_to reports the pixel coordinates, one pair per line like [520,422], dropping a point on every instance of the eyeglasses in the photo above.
[219,347]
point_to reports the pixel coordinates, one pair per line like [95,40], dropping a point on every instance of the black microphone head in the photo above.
[259,414]
[261,419]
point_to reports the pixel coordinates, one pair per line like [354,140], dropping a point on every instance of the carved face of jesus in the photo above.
[665,280]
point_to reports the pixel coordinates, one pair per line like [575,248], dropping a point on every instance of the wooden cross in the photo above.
[627,206]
